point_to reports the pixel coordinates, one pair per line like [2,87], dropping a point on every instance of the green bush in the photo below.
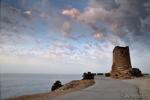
[56,85]
[136,72]
[146,74]
[94,74]
[88,76]
[100,74]
[107,74]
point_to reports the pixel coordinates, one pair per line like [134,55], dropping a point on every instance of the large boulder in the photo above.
[136,72]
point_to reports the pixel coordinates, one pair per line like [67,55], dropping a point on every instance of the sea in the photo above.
[13,85]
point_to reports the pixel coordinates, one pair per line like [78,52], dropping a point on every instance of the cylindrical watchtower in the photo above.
[121,67]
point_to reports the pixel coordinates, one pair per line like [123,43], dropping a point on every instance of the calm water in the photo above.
[13,85]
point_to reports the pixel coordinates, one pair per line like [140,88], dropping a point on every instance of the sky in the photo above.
[72,36]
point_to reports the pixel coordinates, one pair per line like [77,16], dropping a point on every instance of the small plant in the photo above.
[146,74]
[107,74]
[88,76]
[56,85]
[100,74]
[94,74]
[136,72]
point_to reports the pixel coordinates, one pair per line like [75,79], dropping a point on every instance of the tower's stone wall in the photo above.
[121,67]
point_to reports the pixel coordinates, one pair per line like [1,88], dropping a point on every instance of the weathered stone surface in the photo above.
[121,67]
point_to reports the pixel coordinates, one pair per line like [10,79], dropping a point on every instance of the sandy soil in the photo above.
[143,84]
[67,88]
[105,88]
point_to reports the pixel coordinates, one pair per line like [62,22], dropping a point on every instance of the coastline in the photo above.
[72,86]
[142,84]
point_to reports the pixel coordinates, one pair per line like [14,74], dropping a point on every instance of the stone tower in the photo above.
[121,67]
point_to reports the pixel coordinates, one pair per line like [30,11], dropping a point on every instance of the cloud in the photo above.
[11,16]
[88,35]
[89,16]
[124,18]
[28,13]
[66,28]
[98,35]
[106,4]
[126,13]
[74,13]
[18,28]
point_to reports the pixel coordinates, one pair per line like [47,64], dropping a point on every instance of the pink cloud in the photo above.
[98,35]
[74,13]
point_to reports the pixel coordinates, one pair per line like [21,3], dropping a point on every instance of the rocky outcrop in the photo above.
[76,84]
